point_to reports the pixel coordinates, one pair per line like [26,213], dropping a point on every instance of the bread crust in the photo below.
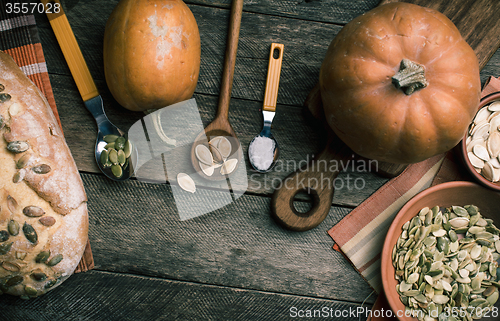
[37,171]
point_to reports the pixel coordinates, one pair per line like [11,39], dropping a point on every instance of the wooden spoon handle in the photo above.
[230,59]
[317,179]
[71,50]
[273,77]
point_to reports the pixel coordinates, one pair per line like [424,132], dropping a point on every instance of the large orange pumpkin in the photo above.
[400,84]
[151,53]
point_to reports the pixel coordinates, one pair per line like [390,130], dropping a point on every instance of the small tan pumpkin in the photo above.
[151,53]
[400,84]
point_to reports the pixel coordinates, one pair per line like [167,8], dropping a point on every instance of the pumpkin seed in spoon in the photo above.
[204,155]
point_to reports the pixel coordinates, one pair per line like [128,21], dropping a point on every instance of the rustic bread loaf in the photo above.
[43,209]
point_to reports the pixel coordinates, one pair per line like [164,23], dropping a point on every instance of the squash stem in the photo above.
[410,77]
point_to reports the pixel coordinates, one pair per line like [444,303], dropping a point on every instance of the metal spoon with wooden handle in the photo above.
[220,126]
[263,150]
[87,89]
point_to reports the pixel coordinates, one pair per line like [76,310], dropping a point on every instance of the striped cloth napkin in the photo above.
[19,38]
[361,234]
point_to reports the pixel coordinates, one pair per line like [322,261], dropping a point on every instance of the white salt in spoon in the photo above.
[263,150]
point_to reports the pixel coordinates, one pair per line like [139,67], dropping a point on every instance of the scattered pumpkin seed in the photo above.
[110,138]
[33,211]
[11,266]
[207,169]
[47,220]
[413,278]
[493,298]
[460,211]
[24,161]
[113,156]
[18,147]
[11,204]
[117,170]
[120,143]
[217,155]
[204,155]
[104,157]
[38,275]
[14,109]
[42,257]
[489,290]
[4,97]
[13,228]
[476,229]
[229,166]
[224,146]
[121,157]
[186,183]
[30,233]
[127,149]
[5,248]
[15,280]
[453,236]
[440,299]
[459,222]
[55,260]
[50,283]
[4,236]
[19,176]
[29,290]
[41,169]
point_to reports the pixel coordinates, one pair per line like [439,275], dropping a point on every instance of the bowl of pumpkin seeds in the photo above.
[480,148]
[441,253]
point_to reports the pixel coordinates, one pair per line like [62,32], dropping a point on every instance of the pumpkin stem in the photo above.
[410,77]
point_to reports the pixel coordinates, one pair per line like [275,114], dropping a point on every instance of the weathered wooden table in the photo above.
[235,263]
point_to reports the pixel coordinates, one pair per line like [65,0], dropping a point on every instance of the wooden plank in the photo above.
[492,68]
[477,21]
[330,11]
[97,295]
[135,228]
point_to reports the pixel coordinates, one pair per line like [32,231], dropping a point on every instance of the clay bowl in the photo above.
[463,149]
[443,195]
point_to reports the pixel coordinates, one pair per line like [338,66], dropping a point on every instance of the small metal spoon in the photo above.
[105,127]
[87,88]
[263,150]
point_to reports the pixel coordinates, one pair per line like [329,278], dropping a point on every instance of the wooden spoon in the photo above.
[317,180]
[220,126]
